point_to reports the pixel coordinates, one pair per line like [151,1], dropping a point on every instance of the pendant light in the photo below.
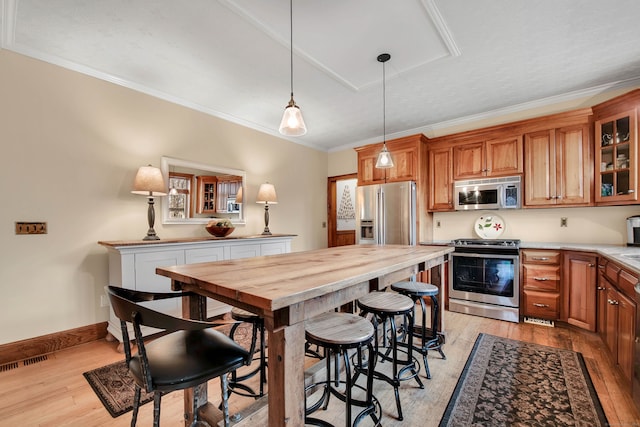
[292,123]
[384,157]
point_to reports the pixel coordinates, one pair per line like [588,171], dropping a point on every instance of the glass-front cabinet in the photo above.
[616,158]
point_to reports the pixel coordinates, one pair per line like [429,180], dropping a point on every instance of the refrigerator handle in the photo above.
[382,223]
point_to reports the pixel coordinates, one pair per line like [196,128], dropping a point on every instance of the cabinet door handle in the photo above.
[612,301]
[540,258]
[600,288]
[592,265]
[535,304]
[541,279]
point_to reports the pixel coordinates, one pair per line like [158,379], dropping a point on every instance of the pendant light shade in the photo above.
[385,160]
[292,123]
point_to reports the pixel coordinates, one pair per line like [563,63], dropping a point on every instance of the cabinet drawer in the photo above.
[611,272]
[541,277]
[627,283]
[540,257]
[545,305]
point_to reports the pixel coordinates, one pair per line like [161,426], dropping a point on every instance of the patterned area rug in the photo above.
[513,383]
[115,387]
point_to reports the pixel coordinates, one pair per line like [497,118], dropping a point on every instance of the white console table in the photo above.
[133,263]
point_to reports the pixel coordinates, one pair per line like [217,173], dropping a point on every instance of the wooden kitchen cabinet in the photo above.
[541,283]
[616,158]
[406,154]
[557,167]
[440,179]
[617,314]
[206,194]
[490,158]
[616,150]
[579,289]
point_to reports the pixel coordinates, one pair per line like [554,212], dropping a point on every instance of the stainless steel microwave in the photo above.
[488,193]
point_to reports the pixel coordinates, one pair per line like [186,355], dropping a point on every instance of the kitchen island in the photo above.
[286,290]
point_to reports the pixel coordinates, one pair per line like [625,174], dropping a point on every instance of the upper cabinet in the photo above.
[440,179]
[406,159]
[207,188]
[616,158]
[494,157]
[616,150]
[557,167]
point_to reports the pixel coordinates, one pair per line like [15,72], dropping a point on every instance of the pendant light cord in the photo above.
[291,41]
[384,107]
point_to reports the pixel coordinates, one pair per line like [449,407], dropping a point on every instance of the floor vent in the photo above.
[8,366]
[536,321]
[33,360]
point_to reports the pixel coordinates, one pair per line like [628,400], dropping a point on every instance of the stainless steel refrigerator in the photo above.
[386,214]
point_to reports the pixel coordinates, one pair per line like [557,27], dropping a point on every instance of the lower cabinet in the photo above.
[617,316]
[133,265]
[579,293]
[540,278]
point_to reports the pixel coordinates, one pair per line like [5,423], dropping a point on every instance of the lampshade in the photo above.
[149,182]
[267,194]
[292,123]
[385,160]
[239,195]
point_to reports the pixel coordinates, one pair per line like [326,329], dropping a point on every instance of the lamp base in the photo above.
[150,236]
[266,232]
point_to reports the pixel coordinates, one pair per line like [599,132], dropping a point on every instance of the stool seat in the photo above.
[385,302]
[415,288]
[338,329]
[243,315]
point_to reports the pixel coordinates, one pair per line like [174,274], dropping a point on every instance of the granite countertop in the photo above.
[627,256]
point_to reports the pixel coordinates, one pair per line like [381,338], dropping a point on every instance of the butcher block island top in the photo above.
[286,290]
[275,282]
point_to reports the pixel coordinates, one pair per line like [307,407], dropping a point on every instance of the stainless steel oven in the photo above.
[484,278]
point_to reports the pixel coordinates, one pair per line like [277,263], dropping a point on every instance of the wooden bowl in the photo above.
[217,231]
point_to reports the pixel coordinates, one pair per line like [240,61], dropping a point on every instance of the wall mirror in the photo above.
[198,192]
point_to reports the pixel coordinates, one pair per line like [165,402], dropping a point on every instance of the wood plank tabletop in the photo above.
[277,281]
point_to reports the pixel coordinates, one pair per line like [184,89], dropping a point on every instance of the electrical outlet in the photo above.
[324,224]
[104,301]
[437,223]
[31,227]
[563,222]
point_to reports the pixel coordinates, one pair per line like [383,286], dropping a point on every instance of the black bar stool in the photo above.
[430,338]
[384,307]
[337,334]
[236,381]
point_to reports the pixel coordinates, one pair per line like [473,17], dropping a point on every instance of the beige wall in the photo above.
[71,145]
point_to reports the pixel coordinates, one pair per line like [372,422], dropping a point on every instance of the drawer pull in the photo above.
[540,258]
[541,279]
[612,302]
[535,304]
[600,288]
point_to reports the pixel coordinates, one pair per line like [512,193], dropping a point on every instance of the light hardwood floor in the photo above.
[54,392]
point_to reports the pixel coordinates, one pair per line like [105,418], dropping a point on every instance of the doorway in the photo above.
[341,210]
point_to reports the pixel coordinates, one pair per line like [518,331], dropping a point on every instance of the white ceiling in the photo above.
[451,60]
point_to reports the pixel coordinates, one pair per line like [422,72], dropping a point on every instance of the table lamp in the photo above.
[266,195]
[149,182]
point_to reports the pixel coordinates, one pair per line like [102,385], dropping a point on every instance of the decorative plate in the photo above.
[489,226]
